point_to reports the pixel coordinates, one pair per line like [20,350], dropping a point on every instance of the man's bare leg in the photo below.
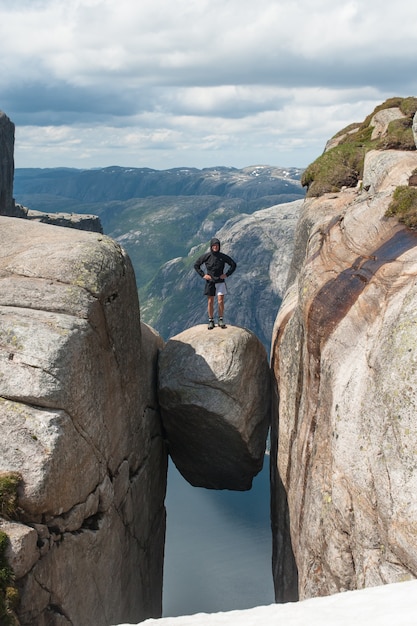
[210,311]
[220,308]
[210,307]
[220,305]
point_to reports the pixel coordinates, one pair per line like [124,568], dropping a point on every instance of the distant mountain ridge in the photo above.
[158,215]
[163,218]
[123,183]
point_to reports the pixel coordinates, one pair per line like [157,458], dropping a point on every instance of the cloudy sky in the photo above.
[166,83]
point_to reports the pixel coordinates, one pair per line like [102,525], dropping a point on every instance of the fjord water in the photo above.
[218,547]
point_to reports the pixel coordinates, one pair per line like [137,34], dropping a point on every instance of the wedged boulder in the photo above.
[214,393]
[79,421]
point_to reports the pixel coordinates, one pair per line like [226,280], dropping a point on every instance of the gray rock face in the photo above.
[382,119]
[214,391]
[79,421]
[386,169]
[344,353]
[6,165]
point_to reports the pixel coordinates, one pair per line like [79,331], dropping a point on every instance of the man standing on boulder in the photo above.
[215,276]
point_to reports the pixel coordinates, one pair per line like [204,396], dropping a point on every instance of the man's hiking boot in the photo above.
[221,323]
[210,324]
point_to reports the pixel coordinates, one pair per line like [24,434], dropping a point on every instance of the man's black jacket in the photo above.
[215,262]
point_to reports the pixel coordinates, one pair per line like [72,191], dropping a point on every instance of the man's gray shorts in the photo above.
[215,289]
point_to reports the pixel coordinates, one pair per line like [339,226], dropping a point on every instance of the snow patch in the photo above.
[389,605]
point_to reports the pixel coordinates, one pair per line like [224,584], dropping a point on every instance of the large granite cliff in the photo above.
[80,424]
[344,353]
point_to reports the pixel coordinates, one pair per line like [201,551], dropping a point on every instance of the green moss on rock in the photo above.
[9,595]
[408,106]
[9,482]
[342,165]
[399,136]
[404,206]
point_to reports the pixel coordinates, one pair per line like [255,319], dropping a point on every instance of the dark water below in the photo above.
[218,547]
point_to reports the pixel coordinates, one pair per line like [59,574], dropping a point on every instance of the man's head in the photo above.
[215,245]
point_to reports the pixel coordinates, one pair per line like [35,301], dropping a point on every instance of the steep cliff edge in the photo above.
[6,165]
[8,205]
[80,423]
[344,353]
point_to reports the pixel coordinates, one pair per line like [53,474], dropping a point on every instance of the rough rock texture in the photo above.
[79,421]
[383,171]
[344,359]
[6,165]
[214,391]
[381,120]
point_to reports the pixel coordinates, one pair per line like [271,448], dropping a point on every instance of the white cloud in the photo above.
[229,82]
